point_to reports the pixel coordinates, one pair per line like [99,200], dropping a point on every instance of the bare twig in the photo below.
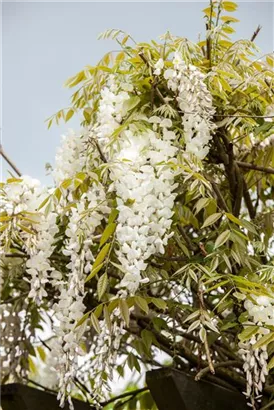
[256,32]
[219,196]
[246,165]
[186,238]
[207,351]
[133,393]
[9,161]
[227,363]
[248,202]
[40,385]
[103,158]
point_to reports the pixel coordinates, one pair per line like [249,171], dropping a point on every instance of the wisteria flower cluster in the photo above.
[260,313]
[157,232]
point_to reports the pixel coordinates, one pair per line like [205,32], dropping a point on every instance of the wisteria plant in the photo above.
[157,235]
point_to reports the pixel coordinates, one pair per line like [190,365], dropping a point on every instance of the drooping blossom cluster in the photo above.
[21,194]
[142,167]
[38,265]
[260,312]
[70,157]
[15,336]
[83,221]
[111,109]
[194,101]
[143,179]
[106,348]
[21,202]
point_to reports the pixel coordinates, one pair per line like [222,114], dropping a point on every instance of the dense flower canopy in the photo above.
[158,232]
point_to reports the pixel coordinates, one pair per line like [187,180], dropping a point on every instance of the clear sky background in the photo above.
[44,43]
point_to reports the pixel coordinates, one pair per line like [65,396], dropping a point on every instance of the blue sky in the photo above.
[44,43]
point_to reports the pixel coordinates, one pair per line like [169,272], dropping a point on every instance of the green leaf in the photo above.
[49,123]
[113,215]
[142,303]
[102,285]
[11,180]
[202,203]
[270,61]
[76,79]
[271,363]
[248,332]
[83,319]
[131,361]
[101,256]
[41,353]
[193,315]
[58,194]
[159,303]
[229,5]
[241,222]
[120,267]
[5,218]
[113,304]
[209,12]
[87,114]
[264,340]
[32,366]
[222,238]
[229,19]
[98,311]
[124,310]
[24,228]
[147,337]
[93,272]
[194,326]
[131,103]
[110,228]
[95,322]
[107,318]
[44,203]
[69,114]
[66,183]
[211,219]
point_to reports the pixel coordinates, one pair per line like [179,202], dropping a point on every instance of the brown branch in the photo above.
[248,202]
[172,258]
[40,385]
[133,393]
[186,238]
[231,115]
[208,46]
[165,344]
[9,161]
[207,350]
[219,196]
[103,158]
[238,191]
[256,32]
[227,363]
[246,165]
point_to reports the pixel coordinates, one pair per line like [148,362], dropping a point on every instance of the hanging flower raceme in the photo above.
[106,348]
[111,110]
[195,102]
[83,221]
[71,156]
[254,353]
[142,167]
[39,265]
[143,178]
[36,231]
[16,336]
